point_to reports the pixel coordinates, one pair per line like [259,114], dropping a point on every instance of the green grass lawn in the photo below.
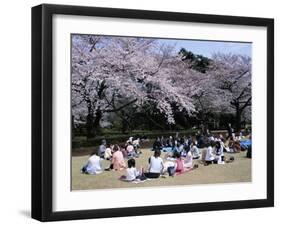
[237,171]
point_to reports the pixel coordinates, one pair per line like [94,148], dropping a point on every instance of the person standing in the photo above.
[230,131]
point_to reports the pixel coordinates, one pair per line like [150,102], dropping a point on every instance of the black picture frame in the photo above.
[42,111]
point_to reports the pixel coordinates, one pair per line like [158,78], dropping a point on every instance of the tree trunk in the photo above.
[238,118]
[90,125]
[124,125]
[93,123]
[124,122]
[96,123]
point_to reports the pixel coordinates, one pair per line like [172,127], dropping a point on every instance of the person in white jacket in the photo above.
[194,151]
[210,157]
[93,165]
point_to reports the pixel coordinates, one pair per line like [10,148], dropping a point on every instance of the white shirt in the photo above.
[168,164]
[136,142]
[156,164]
[209,154]
[188,160]
[107,153]
[130,148]
[131,173]
[195,151]
[93,165]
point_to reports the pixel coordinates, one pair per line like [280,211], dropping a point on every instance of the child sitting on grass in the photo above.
[131,151]
[132,174]
[180,166]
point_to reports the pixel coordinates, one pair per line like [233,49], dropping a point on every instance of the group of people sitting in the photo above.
[179,155]
[208,148]
[156,165]
[211,151]
[114,153]
[129,149]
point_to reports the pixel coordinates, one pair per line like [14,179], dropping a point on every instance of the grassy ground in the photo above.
[237,171]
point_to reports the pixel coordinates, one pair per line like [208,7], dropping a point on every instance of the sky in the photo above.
[207,48]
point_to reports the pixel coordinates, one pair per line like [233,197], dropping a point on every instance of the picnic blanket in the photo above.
[245,143]
[135,181]
[166,149]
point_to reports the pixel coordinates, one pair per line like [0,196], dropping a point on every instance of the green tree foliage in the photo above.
[198,62]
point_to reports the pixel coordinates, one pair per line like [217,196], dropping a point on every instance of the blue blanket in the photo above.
[166,149]
[245,143]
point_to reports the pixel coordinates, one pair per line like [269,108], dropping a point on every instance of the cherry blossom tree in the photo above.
[109,74]
[121,77]
[232,75]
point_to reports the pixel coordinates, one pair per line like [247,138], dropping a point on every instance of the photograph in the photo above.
[154,112]
[148,112]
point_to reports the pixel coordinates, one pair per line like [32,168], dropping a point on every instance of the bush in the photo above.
[113,137]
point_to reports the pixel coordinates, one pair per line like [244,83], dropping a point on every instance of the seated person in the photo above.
[200,141]
[131,150]
[187,161]
[169,156]
[234,146]
[249,152]
[101,149]
[178,166]
[219,155]
[240,135]
[124,152]
[211,138]
[93,165]
[167,166]
[156,165]
[132,173]
[136,143]
[169,142]
[130,140]
[194,151]
[181,165]
[117,161]
[209,158]
[108,152]
[176,147]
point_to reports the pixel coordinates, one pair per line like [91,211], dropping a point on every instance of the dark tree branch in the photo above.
[123,106]
[246,104]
